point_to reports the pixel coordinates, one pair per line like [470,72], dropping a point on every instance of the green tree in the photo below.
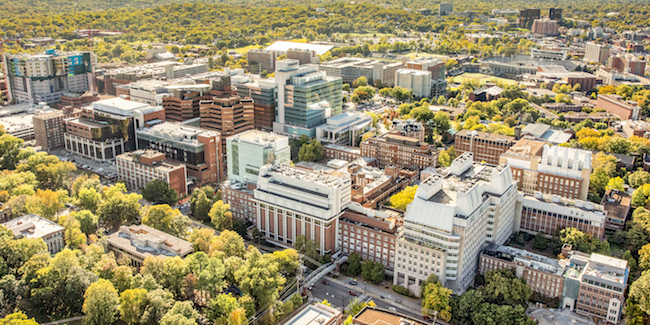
[444,159]
[307,247]
[220,308]
[132,305]
[639,178]
[221,216]
[101,303]
[540,242]
[17,318]
[441,121]
[312,151]
[159,302]
[373,271]
[166,219]
[87,221]
[260,277]
[355,306]
[360,82]
[118,207]
[88,199]
[644,257]
[437,298]
[640,291]
[227,244]
[158,191]
[181,313]
[354,264]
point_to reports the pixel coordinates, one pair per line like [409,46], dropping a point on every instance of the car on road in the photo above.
[398,301]
[352,293]
[324,282]
[353,283]
[391,308]
[383,297]
[426,317]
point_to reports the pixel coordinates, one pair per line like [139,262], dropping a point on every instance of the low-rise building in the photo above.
[625,109]
[375,316]
[409,128]
[137,242]
[344,129]
[546,214]
[618,205]
[594,286]
[544,275]
[33,226]
[486,94]
[317,314]
[547,133]
[350,69]
[240,198]
[401,151]
[371,233]
[337,151]
[484,146]
[372,186]
[138,168]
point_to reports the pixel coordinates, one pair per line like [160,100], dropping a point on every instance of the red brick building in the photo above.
[625,109]
[337,151]
[138,168]
[401,151]
[228,115]
[49,129]
[240,198]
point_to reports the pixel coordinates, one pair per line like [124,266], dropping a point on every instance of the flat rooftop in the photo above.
[378,316]
[283,46]
[526,148]
[566,202]
[352,150]
[317,314]
[32,226]
[260,137]
[145,241]
[177,131]
[534,261]
[316,177]
[164,165]
[617,204]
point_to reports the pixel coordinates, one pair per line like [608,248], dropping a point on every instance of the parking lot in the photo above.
[107,170]
[557,317]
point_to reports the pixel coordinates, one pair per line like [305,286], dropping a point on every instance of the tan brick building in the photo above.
[138,168]
[228,115]
[401,151]
[49,129]
[485,146]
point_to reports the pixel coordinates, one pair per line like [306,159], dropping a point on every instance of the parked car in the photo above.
[426,317]
[324,282]
[353,283]
[352,293]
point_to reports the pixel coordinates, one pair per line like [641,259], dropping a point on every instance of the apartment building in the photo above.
[545,26]
[417,80]
[627,64]
[262,60]
[293,202]
[107,129]
[625,109]
[527,16]
[199,149]
[182,102]
[33,226]
[49,128]
[549,169]
[306,97]
[369,232]
[303,56]
[435,66]
[262,91]
[547,213]
[409,128]
[337,151]
[240,198]
[228,115]
[250,150]
[484,146]
[44,77]
[453,214]
[137,242]
[596,52]
[594,286]
[401,151]
[138,168]
[544,275]
[344,129]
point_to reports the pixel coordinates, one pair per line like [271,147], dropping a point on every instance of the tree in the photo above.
[101,303]
[221,216]
[354,264]
[118,207]
[166,219]
[132,305]
[644,257]
[639,178]
[441,121]
[540,242]
[159,302]
[227,244]
[437,298]
[87,221]
[181,313]
[307,247]
[312,151]
[201,238]
[220,308]
[503,287]
[88,199]
[158,191]
[402,199]
[640,291]
[360,82]
[373,271]
[615,183]
[580,241]
[356,305]
[17,319]
[260,277]
[287,260]
[444,159]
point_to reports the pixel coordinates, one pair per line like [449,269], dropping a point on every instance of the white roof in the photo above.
[283,46]
[32,226]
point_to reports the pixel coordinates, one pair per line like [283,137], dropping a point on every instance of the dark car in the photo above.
[324,282]
[353,283]
[352,293]
[426,317]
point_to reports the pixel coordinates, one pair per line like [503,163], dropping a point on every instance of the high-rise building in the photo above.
[250,150]
[228,115]
[303,56]
[549,169]
[453,215]
[262,60]
[138,168]
[545,26]
[183,101]
[527,16]
[485,146]
[417,80]
[45,77]
[107,129]
[555,14]
[294,202]
[306,97]
[594,286]
[401,151]
[199,149]
[49,128]
[598,53]
[262,91]
[445,8]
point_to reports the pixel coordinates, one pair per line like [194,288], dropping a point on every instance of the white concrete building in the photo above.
[455,212]
[33,226]
[417,80]
[596,53]
[345,128]
[249,151]
[294,201]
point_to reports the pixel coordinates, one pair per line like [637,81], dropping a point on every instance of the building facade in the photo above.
[336,151]
[250,150]
[401,151]
[262,60]
[417,80]
[596,52]
[344,129]
[33,226]
[294,202]
[409,128]
[625,109]
[454,213]
[49,129]
[262,91]
[484,146]
[545,26]
[138,168]
[228,115]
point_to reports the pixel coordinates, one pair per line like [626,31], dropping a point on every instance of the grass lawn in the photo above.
[483,78]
